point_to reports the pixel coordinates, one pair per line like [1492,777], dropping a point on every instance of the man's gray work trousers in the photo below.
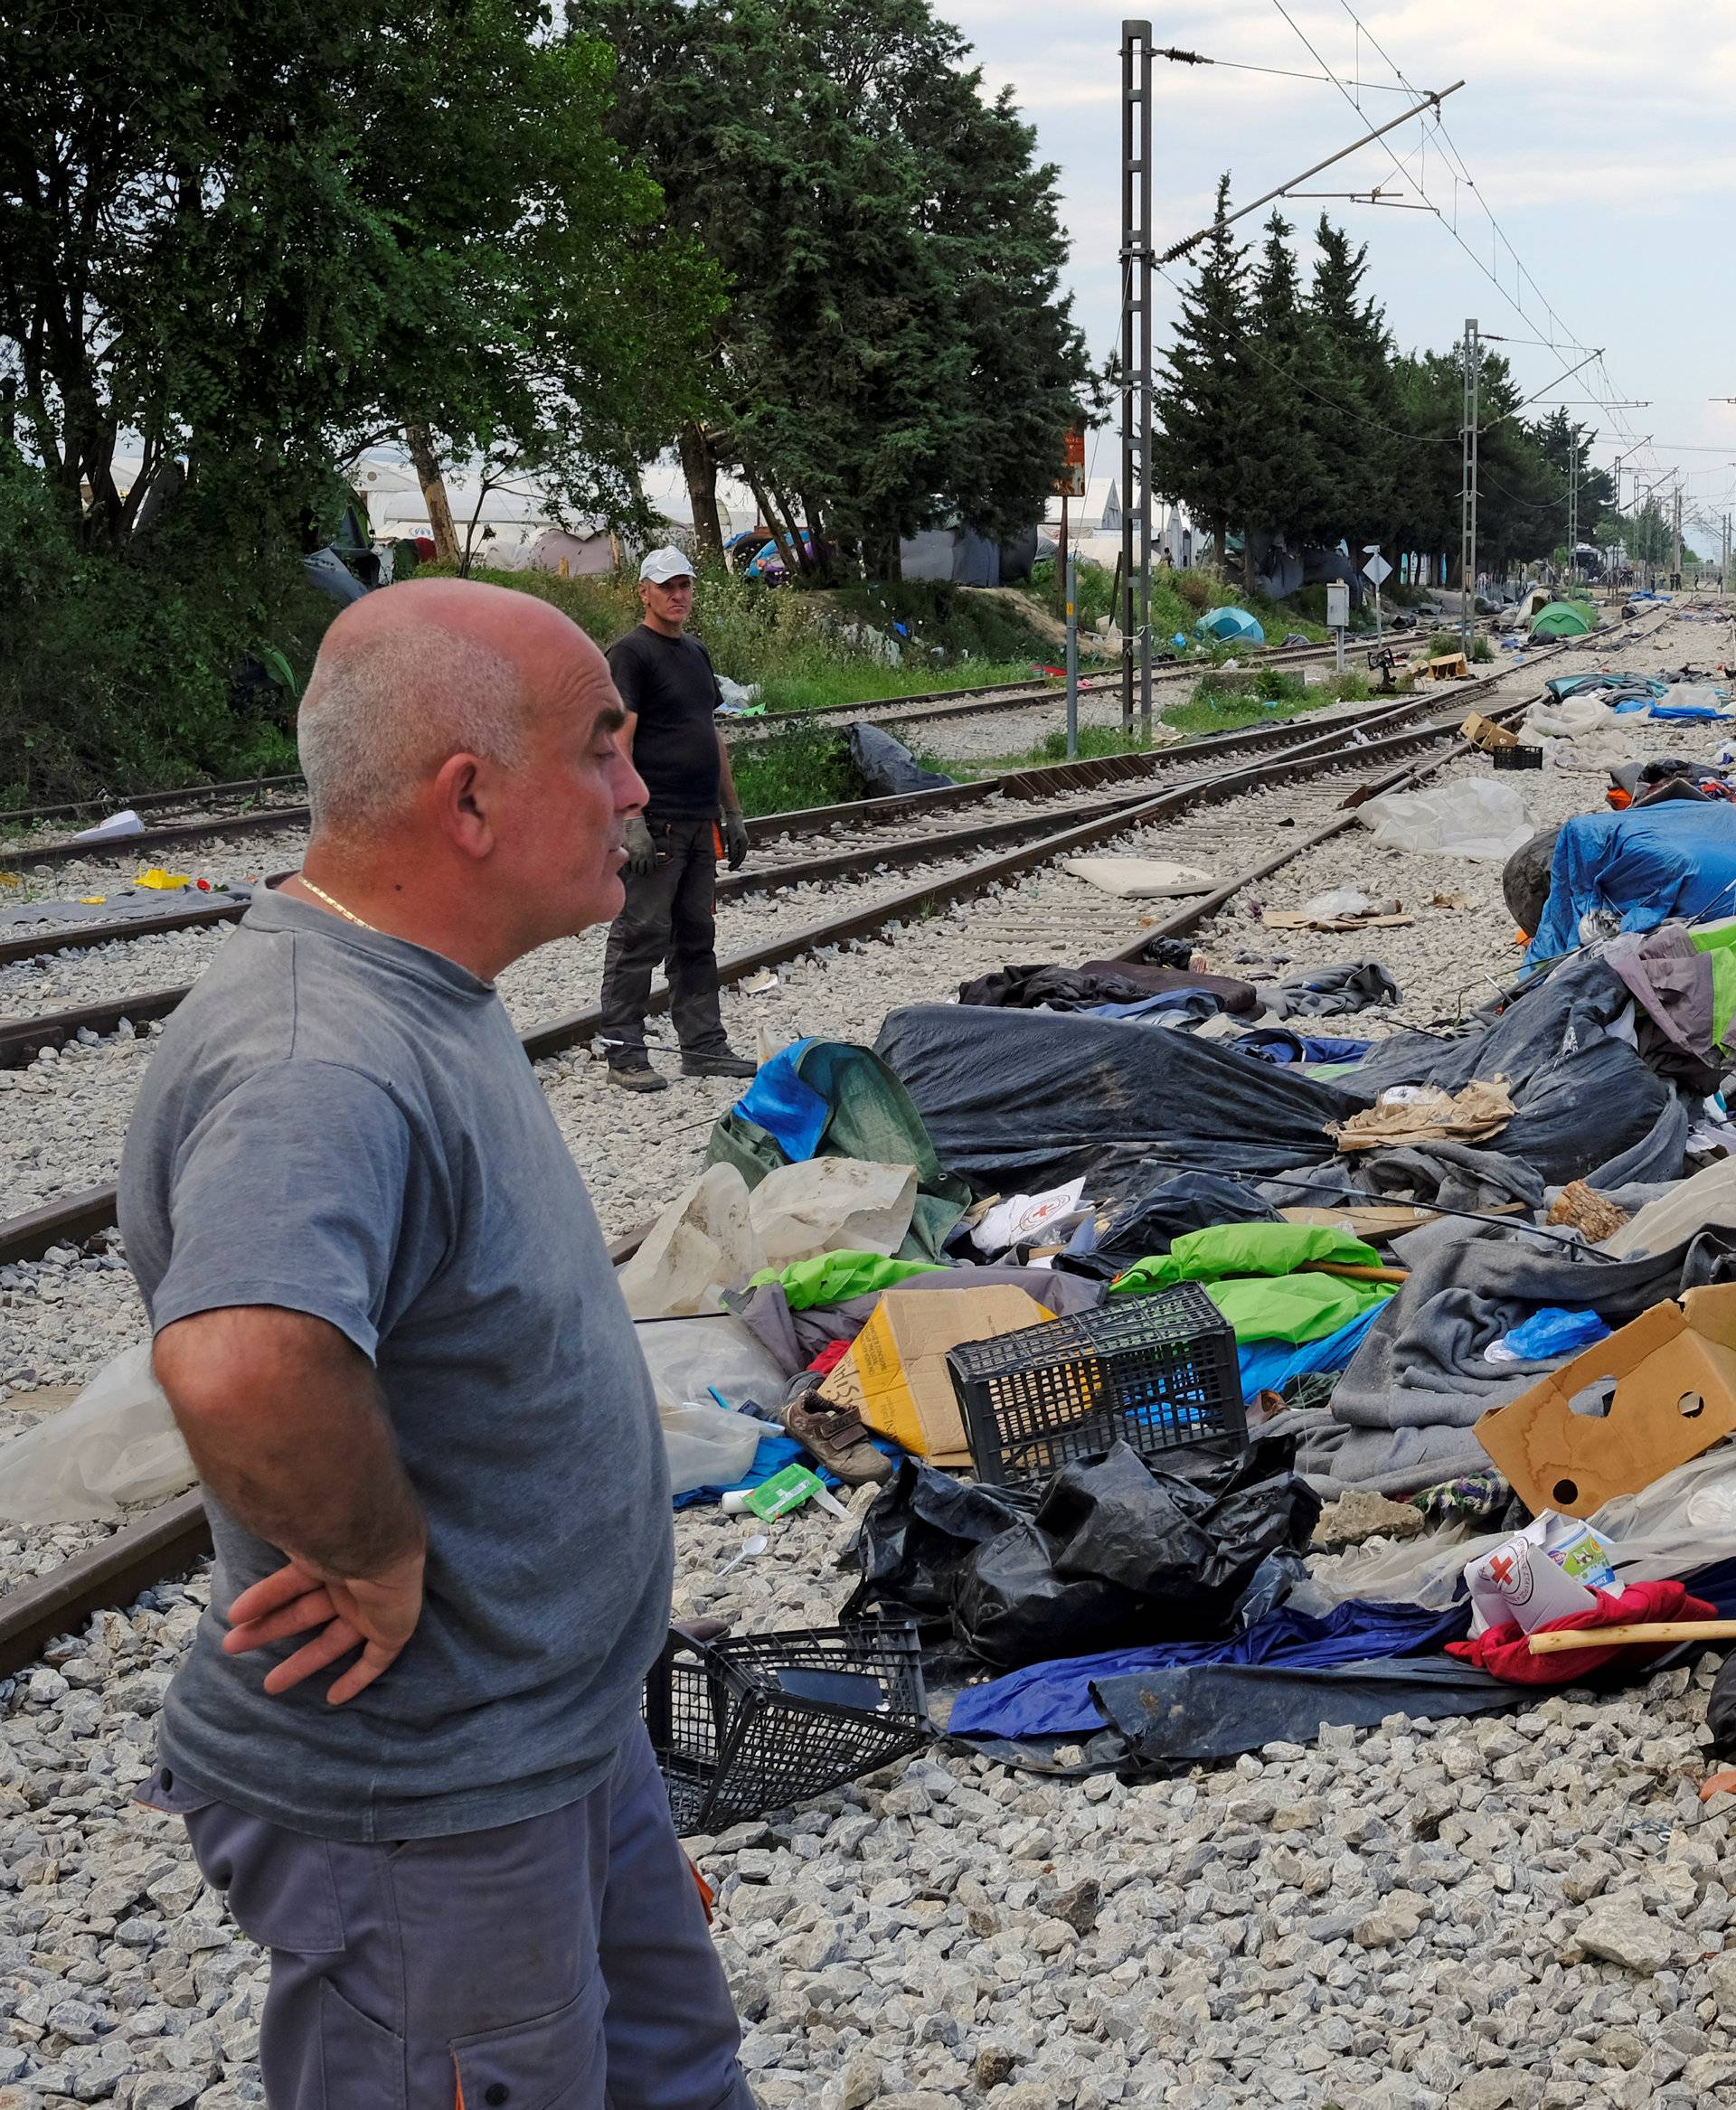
[559,1964]
[667,916]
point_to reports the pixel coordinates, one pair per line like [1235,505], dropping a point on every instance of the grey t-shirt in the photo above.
[341,1123]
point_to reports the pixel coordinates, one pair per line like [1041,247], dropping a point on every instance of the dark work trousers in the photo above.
[563,1963]
[667,916]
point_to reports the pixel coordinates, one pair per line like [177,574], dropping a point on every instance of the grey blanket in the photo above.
[1421,1362]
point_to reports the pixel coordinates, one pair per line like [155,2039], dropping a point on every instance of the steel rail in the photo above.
[170,1540]
[22,1040]
[271,820]
[1038,781]
[80,1216]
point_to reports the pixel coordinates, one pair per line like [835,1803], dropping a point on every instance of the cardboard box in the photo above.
[1485,733]
[1669,1381]
[896,1374]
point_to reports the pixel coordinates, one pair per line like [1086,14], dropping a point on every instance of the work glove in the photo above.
[735,840]
[641,851]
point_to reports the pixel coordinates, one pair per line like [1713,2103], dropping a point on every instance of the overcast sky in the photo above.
[1600,134]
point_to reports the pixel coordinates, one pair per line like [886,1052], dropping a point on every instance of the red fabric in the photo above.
[830,1356]
[1504,1651]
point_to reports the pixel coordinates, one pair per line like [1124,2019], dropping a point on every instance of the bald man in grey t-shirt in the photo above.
[407,1742]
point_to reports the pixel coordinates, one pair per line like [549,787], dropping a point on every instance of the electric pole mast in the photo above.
[1675,566]
[1467,493]
[1133,614]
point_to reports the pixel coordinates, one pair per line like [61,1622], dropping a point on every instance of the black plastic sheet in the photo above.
[887,767]
[1150,1221]
[1120,1553]
[918,1529]
[1022,1100]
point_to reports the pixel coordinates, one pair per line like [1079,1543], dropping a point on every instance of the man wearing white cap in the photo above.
[664,680]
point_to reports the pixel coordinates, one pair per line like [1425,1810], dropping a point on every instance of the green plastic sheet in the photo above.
[829,1278]
[1248,1273]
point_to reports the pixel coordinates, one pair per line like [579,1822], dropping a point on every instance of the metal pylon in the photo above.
[1468,491]
[1134,613]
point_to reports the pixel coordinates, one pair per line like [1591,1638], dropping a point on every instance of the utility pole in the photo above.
[1070,575]
[1135,611]
[1467,493]
[1675,567]
[1573,511]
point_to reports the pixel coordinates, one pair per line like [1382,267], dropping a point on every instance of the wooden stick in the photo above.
[1653,1631]
[1352,1272]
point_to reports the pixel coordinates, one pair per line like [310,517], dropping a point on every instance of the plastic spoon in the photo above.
[750,1547]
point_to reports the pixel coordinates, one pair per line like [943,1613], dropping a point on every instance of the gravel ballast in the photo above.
[1525,1910]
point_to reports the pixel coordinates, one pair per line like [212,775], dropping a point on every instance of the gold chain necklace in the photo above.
[348,915]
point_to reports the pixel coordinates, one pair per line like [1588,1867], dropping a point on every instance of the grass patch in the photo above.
[795,768]
[1178,600]
[1224,702]
[787,641]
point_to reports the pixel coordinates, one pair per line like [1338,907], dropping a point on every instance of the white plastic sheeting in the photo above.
[1471,818]
[116,1444]
[1686,1520]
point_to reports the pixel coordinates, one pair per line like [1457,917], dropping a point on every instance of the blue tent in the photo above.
[1645,865]
[1233,625]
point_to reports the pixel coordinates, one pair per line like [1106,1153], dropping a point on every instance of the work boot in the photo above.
[836,1437]
[636,1076]
[723,1065]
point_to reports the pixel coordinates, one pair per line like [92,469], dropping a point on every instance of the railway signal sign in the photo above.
[1070,482]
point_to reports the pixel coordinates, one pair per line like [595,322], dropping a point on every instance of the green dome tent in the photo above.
[1563,620]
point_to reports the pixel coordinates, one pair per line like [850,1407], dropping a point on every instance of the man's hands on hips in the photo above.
[377,1614]
[286,1422]
[735,839]
[641,851]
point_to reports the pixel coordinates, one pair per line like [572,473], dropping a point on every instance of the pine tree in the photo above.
[1356,425]
[1199,398]
[1284,488]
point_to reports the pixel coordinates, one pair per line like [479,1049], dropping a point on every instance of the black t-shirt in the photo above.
[669,685]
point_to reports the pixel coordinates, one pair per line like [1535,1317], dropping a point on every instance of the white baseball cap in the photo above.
[663,565]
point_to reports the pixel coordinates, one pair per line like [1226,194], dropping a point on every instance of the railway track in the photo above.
[1022,784]
[171,1539]
[290,813]
[22,1040]
[80,1216]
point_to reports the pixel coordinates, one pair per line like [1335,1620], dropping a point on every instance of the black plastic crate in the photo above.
[748,1725]
[1156,1371]
[1520,758]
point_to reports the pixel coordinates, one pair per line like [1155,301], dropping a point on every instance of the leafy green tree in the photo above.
[1199,392]
[236,250]
[896,342]
[263,237]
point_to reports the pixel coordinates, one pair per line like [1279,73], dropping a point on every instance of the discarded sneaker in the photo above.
[723,1065]
[636,1076]
[836,1437]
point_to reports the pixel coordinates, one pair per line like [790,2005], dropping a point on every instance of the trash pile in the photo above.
[1105,1300]
[1186,1371]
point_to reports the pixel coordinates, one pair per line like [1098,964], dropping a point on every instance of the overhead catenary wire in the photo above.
[1183,58]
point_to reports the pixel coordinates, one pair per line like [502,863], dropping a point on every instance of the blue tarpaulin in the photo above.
[793,1114]
[1643,865]
[1268,1366]
[1054,1699]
